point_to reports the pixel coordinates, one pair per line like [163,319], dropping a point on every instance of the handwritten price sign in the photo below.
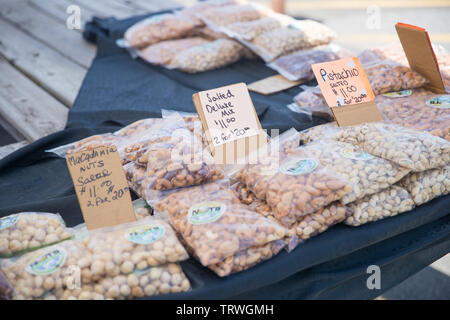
[101,187]
[343,82]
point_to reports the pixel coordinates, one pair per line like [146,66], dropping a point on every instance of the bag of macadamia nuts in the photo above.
[27,231]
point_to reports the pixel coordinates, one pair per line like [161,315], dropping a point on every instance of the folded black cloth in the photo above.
[119,90]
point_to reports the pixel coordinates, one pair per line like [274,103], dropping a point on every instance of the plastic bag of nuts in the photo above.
[164,279]
[6,290]
[297,65]
[128,248]
[138,128]
[248,30]
[209,56]
[323,131]
[45,273]
[158,28]
[214,224]
[427,185]
[387,203]
[27,231]
[409,148]
[192,12]
[430,113]
[163,52]
[366,173]
[300,34]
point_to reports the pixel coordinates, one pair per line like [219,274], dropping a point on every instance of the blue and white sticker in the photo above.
[441,102]
[145,234]
[355,154]
[206,212]
[48,262]
[7,222]
[398,94]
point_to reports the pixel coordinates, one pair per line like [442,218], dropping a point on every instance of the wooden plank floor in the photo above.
[43,63]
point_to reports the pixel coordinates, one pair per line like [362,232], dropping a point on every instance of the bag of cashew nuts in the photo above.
[164,279]
[163,52]
[27,231]
[427,185]
[297,66]
[214,224]
[158,28]
[208,56]
[409,148]
[387,203]
[429,113]
[132,247]
[47,272]
[6,290]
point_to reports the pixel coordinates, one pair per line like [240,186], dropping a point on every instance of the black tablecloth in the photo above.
[119,90]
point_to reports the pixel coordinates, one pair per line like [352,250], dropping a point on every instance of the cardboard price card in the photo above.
[101,187]
[230,122]
[347,91]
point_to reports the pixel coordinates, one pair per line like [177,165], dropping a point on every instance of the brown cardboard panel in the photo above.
[245,116]
[419,52]
[356,114]
[272,85]
[101,187]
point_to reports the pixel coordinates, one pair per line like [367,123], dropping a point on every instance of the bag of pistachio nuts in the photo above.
[386,203]
[163,279]
[429,113]
[213,223]
[28,231]
[409,148]
[208,56]
[132,247]
[158,28]
[427,185]
[47,272]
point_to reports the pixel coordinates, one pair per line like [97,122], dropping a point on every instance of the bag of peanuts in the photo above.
[214,224]
[409,148]
[387,203]
[158,28]
[47,272]
[427,185]
[297,65]
[132,247]
[164,279]
[6,290]
[209,56]
[429,113]
[163,52]
[27,231]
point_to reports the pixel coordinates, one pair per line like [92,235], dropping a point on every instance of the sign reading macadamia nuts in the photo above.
[101,187]
[347,91]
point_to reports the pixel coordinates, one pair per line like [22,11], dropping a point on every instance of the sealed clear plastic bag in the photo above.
[47,272]
[409,148]
[209,56]
[164,279]
[163,52]
[427,185]
[297,65]
[193,12]
[158,28]
[132,247]
[429,113]
[27,231]
[387,203]
[310,97]
[214,224]
[248,30]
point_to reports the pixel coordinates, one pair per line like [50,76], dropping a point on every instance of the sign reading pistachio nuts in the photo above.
[101,187]
[347,91]
[230,121]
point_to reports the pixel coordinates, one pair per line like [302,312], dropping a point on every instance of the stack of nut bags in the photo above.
[218,230]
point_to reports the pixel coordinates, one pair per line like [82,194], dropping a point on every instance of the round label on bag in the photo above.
[145,234]
[8,222]
[206,212]
[441,102]
[47,262]
[355,154]
[398,94]
[298,166]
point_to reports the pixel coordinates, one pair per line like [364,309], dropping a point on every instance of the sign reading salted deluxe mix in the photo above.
[230,121]
[347,91]
[101,187]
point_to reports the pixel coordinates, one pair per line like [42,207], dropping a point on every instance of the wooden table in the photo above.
[43,62]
